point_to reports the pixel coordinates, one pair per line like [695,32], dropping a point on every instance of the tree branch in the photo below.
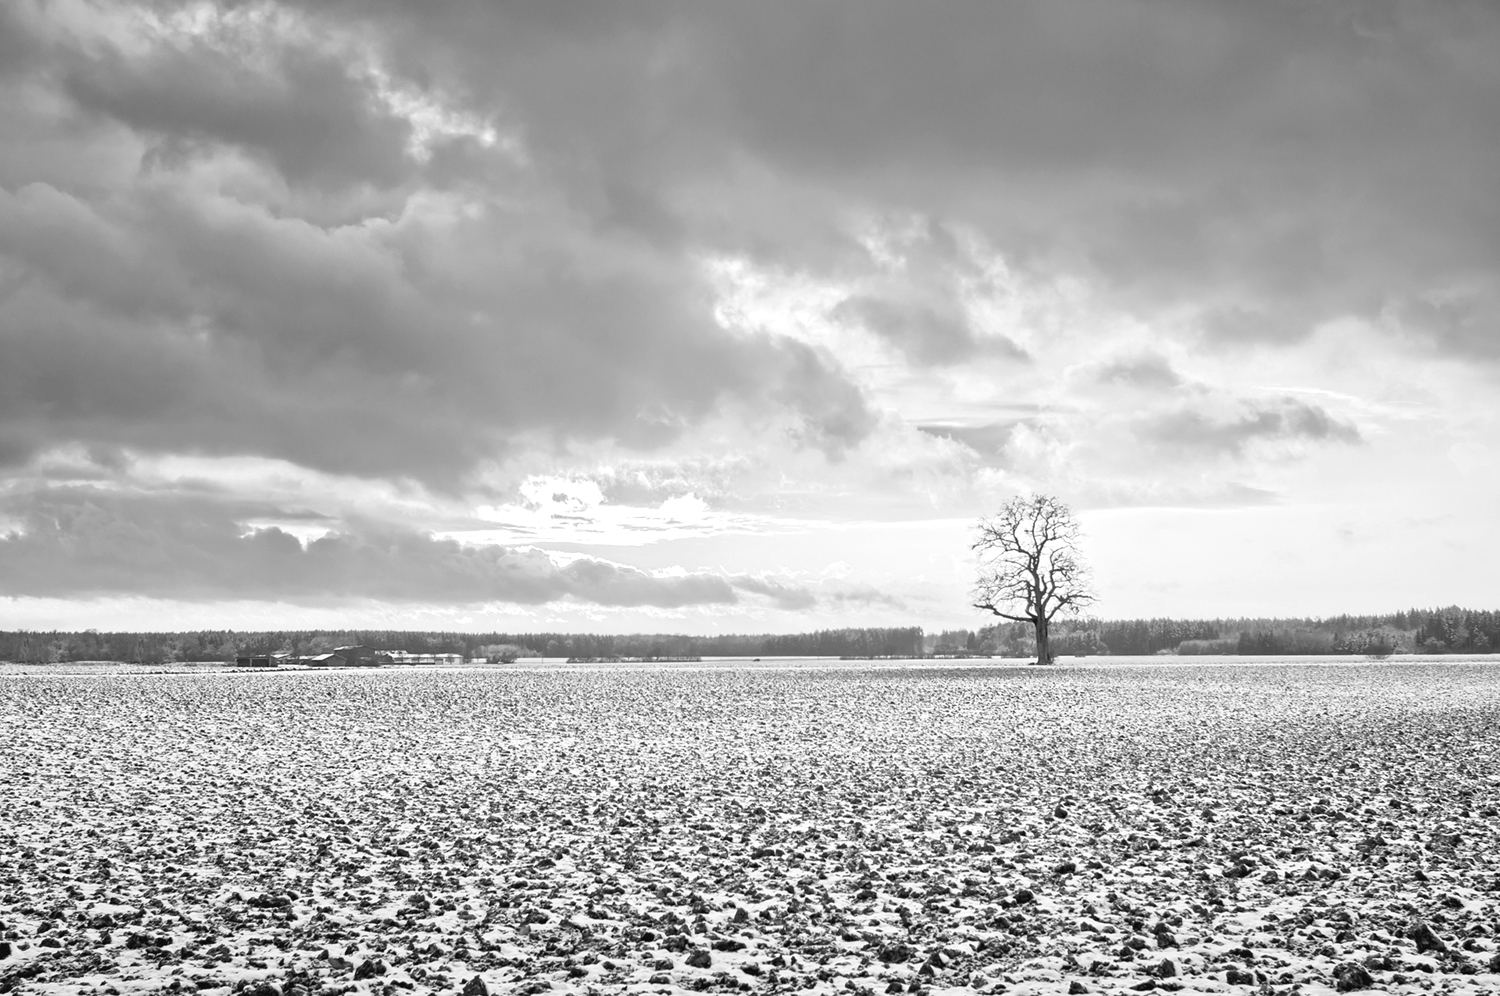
[1003,615]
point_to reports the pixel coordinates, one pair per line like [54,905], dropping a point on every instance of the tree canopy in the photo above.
[1030,568]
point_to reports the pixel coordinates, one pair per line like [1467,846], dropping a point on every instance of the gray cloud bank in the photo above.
[237,242]
[1275,420]
[81,542]
[228,245]
[1284,163]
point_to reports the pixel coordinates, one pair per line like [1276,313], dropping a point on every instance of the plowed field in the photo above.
[1250,829]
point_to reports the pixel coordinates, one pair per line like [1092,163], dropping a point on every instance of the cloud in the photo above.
[308,112]
[783,596]
[868,596]
[929,334]
[1277,160]
[1148,371]
[1238,324]
[219,329]
[989,441]
[313,285]
[1231,432]
[88,543]
[216,277]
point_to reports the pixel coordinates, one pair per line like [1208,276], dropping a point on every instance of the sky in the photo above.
[724,317]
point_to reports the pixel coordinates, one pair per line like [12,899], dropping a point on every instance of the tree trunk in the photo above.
[1043,641]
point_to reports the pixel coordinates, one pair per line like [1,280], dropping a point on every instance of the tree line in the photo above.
[225,645]
[1427,631]
[1441,630]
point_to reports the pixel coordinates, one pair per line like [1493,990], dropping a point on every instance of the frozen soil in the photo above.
[1257,829]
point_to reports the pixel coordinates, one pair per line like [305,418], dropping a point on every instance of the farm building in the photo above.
[326,660]
[256,661]
[362,656]
[404,657]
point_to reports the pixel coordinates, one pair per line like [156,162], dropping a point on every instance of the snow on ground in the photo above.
[1262,830]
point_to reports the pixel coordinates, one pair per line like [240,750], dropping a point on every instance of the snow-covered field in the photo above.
[1266,828]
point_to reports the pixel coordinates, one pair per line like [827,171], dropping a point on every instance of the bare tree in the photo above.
[1029,565]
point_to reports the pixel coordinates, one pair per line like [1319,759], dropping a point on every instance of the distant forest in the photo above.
[1449,630]
[1426,631]
[224,645]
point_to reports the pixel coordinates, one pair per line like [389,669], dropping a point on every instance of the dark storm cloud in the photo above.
[1300,161]
[1278,420]
[1266,165]
[316,121]
[147,309]
[239,334]
[87,543]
